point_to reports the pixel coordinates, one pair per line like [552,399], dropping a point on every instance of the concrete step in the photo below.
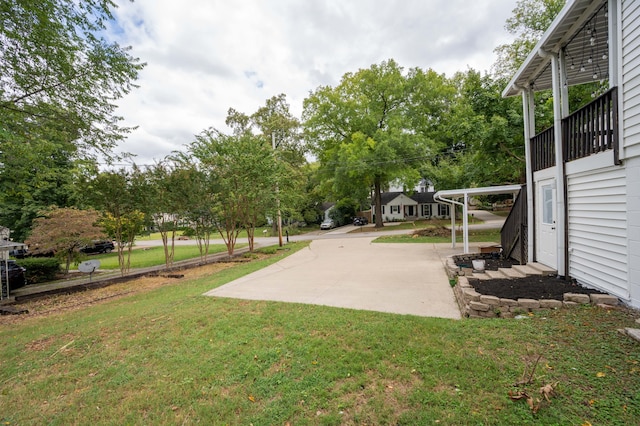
[511,273]
[544,269]
[496,274]
[526,270]
[480,276]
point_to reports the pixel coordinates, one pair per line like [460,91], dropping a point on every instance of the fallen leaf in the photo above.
[586,423]
[600,374]
[547,391]
[252,398]
[530,402]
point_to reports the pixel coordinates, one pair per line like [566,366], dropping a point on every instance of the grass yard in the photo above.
[475,236]
[169,355]
[153,256]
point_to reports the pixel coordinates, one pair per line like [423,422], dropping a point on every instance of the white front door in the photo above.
[546,238]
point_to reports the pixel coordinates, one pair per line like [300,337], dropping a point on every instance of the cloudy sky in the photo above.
[205,56]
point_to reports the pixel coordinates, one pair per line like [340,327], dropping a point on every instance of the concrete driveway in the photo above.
[355,273]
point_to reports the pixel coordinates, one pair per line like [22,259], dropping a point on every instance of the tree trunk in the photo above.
[377,201]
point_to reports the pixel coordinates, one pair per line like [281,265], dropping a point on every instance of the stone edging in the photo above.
[475,305]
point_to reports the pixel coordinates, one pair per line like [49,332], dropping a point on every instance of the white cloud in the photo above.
[204,56]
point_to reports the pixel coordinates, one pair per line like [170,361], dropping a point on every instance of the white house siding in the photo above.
[630,90]
[597,229]
[633,231]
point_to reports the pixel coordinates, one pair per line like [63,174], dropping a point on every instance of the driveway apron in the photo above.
[354,273]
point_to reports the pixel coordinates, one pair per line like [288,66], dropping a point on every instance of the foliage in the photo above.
[120,195]
[529,21]
[376,126]
[35,174]
[245,176]
[64,231]
[60,77]
[168,186]
[344,211]
[481,139]
[39,269]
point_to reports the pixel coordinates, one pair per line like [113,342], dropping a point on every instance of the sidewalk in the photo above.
[112,277]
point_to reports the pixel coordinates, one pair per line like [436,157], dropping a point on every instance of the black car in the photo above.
[15,273]
[18,253]
[360,221]
[98,247]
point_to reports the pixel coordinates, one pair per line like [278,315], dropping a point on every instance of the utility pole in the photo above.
[279,218]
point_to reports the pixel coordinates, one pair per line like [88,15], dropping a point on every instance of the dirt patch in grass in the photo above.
[57,304]
[532,287]
[437,231]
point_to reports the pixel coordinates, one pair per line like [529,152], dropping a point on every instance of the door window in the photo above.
[547,205]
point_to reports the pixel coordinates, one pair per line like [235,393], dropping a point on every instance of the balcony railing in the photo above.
[593,128]
[543,152]
[590,130]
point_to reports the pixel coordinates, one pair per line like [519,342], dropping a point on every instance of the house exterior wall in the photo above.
[630,45]
[633,228]
[597,224]
[394,209]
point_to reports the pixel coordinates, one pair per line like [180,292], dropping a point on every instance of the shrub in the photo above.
[39,269]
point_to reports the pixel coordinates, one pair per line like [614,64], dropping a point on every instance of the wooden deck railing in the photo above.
[514,233]
[543,152]
[590,130]
[593,128]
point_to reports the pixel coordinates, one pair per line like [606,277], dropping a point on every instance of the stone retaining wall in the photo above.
[475,305]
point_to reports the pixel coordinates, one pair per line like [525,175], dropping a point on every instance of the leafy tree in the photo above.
[481,139]
[168,191]
[64,231]
[529,21]
[376,126]
[245,173]
[34,175]
[120,195]
[56,67]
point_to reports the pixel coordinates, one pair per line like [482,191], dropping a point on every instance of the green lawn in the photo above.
[173,356]
[153,256]
[477,236]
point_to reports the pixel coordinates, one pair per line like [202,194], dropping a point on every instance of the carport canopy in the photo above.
[453,195]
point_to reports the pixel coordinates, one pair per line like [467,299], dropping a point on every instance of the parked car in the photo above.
[15,272]
[360,221]
[18,253]
[98,247]
[328,224]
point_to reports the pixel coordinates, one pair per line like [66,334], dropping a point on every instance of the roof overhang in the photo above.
[487,190]
[572,31]
[449,197]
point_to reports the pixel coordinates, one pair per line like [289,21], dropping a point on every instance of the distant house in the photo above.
[325,210]
[398,206]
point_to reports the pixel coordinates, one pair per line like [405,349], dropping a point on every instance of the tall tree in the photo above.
[529,21]
[245,173]
[481,138]
[56,66]
[374,127]
[121,197]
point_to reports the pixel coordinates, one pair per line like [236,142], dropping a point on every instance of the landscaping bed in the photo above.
[531,287]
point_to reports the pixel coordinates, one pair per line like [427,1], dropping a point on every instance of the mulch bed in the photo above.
[532,287]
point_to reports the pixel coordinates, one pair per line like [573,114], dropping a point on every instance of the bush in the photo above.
[189,232]
[39,269]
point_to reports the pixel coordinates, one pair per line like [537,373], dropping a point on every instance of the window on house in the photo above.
[443,210]
[426,210]
[382,209]
[395,209]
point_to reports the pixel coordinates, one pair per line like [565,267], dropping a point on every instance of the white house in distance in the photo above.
[583,174]
[398,206]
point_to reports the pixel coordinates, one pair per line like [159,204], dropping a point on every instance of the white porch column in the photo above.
[558,114]
[528,113]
